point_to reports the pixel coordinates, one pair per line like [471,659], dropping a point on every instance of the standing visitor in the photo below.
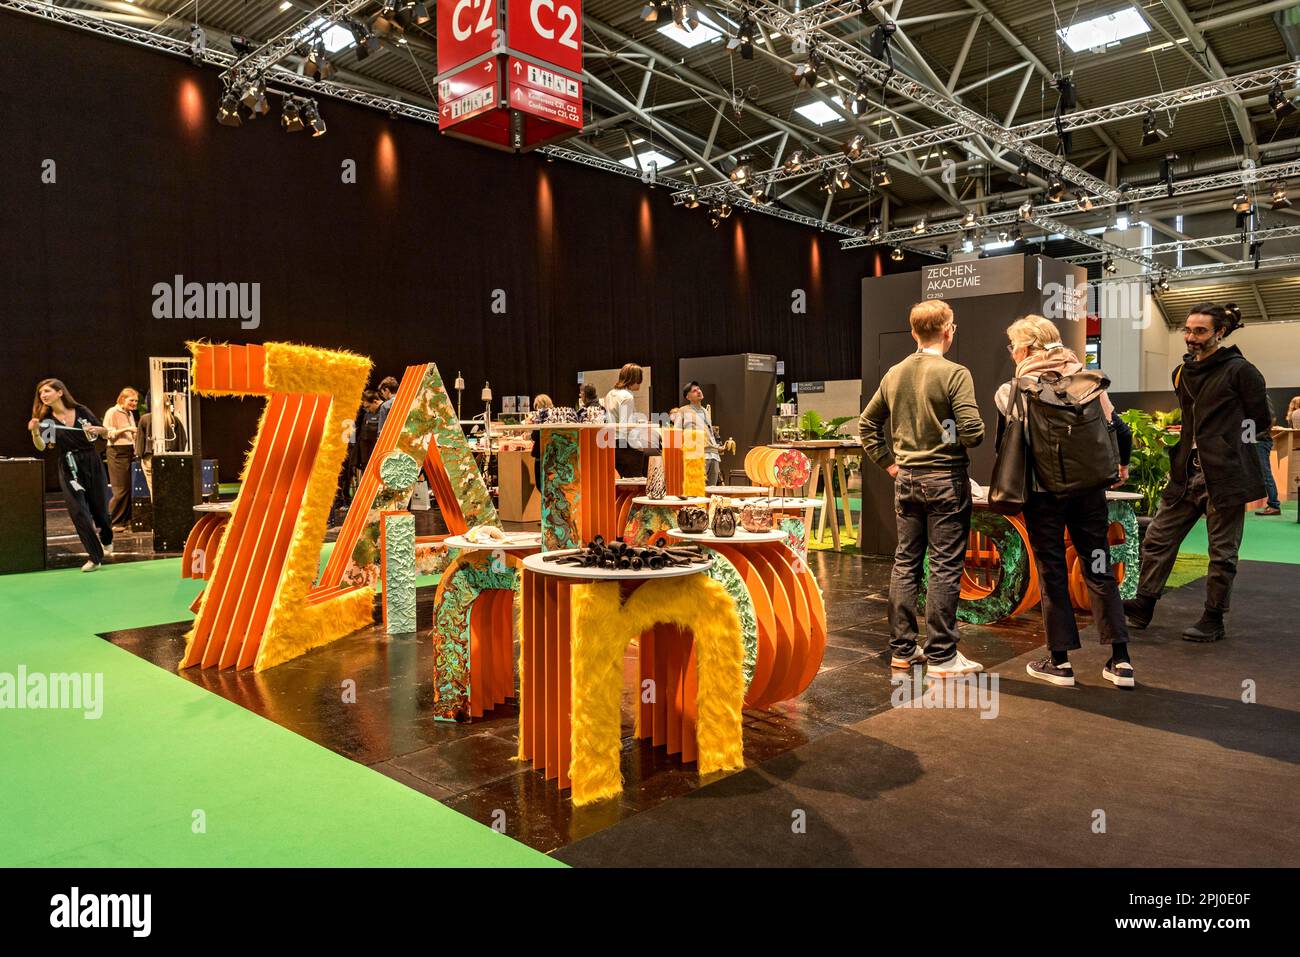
[367,428]
[1067,490]
[588,400]
[59,420]
[1264,446]
[121,424]
[933,418]
[1213,470]
[694,415]
[1293,413]
[620,406]
[387,390]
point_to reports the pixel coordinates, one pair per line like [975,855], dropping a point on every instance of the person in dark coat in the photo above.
[1214,468]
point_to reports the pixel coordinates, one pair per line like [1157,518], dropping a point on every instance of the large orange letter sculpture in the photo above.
[259,608]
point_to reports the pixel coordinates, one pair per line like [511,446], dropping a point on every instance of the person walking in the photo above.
[933,418]
[60,420]
[1213,470]
[1068,478]
[387,391]
[122,428]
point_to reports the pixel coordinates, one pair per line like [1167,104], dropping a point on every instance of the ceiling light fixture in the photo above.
[1055,189]
[896,254]
[1151,131]
[855,147]
[1281,104]
[1026,210]
[1108,266]
[1279,198]
[919,227]
[794,162]
[290,115]
[743,41]
[842,180]
[805,73]
[1241,202]
[228,112]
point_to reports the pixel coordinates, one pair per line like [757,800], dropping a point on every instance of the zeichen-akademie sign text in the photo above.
[975,277]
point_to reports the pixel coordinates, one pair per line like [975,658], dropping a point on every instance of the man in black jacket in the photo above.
[1214,468]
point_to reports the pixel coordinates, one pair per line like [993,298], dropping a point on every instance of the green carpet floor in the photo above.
[1273,538]
[124,790]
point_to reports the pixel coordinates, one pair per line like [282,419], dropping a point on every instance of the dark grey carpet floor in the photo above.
[1177,772]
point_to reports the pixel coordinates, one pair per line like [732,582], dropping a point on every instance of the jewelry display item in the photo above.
[756,518]
[724,522]
[692,519]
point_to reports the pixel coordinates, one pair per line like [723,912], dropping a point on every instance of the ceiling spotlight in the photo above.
[1163,282]
[855,147]
[968,221]
[827,182]
[1026,210]
[1069,93]
[896,254]
[651,11]
[1083,201]
[692,200]
[742,172]
[684,15]
[1281,104]
[860,100]
[198,44]
[254,97]
[878,42]
[1108,266]
[228,112]
[918,227]
[806,72]
[794,162]
[715,216]
[242,45]
[842,178]
[743,41]
[1167,172]
[318,65]
[290,115]
[1055,189]
[758,191]
[873,236]
[1241,202]
[1151,131]
[724,209]
[1279,198]
[311,116]
[1022,171]
[881,175]
[421,12]
[1004,235]
[366,42]
[1016,236]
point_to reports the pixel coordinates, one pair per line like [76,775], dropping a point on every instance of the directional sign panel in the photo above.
[466,29]
[549,30]
[545,93]
[472,91]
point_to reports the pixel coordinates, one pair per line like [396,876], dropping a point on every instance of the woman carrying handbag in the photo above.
[1057,455]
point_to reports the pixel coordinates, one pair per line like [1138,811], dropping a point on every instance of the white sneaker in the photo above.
[917,657]
[90,566]
[108,549]
[958,664]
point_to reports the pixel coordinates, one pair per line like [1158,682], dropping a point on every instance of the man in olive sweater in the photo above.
[933,418]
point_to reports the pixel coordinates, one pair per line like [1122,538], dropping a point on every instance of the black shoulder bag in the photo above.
[1009,488]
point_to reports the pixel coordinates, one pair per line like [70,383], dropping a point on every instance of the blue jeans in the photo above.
[932,508]
[1265,447]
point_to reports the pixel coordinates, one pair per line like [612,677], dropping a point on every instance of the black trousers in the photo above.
[1047,516]
[119,476]
[88,507]
[932,508]
[1172,523]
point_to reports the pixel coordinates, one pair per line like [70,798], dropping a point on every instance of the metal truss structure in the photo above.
[1209,270]
[1190,245]
[1081,119]
[1048,224]
[275,49]
[1246,179]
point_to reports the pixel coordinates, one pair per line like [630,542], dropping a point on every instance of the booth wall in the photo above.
[405,265]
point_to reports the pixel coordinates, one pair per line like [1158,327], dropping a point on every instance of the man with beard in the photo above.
[1214,468]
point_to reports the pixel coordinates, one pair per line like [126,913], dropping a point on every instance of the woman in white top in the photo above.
[620,406]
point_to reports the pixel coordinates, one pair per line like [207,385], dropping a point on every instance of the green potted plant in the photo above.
[1149,465]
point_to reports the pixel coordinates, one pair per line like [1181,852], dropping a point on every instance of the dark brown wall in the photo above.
[598,270]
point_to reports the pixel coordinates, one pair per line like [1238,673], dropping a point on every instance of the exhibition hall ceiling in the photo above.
[655,92]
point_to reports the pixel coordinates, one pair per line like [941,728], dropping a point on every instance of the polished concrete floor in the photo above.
[472,767]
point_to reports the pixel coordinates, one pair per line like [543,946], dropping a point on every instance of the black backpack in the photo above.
[1072,445]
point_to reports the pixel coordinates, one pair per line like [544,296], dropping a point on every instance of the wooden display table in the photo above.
[626,489]
[473,626]
[789,613]
[826,467]
[575,626]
